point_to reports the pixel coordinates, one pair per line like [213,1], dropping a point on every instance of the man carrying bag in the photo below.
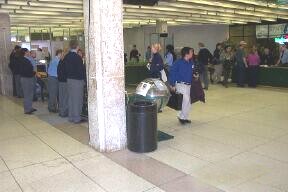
[181,74]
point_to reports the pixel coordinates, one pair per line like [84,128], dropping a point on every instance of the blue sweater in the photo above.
[74,66]
[181,71]
[157,65]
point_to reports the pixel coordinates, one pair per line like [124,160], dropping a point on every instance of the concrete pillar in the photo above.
[6,83]
[162,27]
[105,74]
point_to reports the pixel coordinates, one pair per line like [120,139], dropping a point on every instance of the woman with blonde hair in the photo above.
[157,64]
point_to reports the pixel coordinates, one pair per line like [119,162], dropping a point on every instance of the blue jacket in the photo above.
[181,71]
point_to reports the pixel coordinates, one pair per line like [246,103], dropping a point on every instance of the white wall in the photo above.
[190,36]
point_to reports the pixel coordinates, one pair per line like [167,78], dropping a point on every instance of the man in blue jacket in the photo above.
[181,74]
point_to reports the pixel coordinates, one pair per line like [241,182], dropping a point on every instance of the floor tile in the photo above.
[25,151]
[275,150]
[156,189]
[56,176]
[178,159]
[150,169]
[218,177]
[112,176]
[255,129]
[7,183]
[228,137]
[3,167]
[203,148]
[188,184]
[254,187]
[64,144]
[12,129]
[276,179]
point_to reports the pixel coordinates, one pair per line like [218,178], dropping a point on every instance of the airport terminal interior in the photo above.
[143,96]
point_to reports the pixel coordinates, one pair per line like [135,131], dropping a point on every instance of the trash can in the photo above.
[142,126]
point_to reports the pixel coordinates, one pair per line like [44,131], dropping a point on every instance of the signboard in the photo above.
[262,31]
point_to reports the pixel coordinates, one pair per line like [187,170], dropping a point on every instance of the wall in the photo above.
[183,36]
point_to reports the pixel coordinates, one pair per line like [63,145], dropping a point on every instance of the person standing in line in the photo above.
[148,54]
[227,59]
[27,80]
[253,61]
[157,64]
[218,66]
[170,56]
[267,57]
[14,66]
[75,71]
[283,60]
[180,79]
[204,57]
[63,90]
[53,85]
[241,64]
[134,54]
[32,58]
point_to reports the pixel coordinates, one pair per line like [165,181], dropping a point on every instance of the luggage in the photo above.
[175,101]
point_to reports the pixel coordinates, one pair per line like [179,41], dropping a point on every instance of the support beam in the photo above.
[105,73]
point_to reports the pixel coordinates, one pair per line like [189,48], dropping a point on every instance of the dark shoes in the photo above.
[184,121]
[30,112]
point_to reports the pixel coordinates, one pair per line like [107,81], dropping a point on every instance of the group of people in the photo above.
[181,72]
[66,80]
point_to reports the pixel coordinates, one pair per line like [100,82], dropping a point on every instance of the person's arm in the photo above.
[173,73]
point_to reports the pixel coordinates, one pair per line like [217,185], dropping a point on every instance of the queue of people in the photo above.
[66,81]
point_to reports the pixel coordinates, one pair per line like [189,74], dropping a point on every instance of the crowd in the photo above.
[67,76]
[190,67]
[66,80]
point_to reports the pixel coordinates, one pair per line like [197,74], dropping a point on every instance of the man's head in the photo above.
[200,44]
[267,51]
[187,53]
[134,46]
[25,52]
[74,44]
[33,54]
[17,47]
[149,48]
[242,44]
[59,53]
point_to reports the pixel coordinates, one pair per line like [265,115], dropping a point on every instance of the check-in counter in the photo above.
[270,76]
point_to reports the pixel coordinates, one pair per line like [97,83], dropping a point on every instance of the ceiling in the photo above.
[64,15]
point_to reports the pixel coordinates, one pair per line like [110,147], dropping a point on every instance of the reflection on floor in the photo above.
[237,142]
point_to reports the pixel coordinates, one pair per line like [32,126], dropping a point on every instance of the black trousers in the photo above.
[253,76]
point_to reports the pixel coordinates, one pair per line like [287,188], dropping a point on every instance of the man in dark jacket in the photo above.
[27,80]
[204,57]
[14,67]
[75,73]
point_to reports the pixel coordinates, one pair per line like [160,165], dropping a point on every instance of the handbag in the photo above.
[163,76]
[175,101]
[196,91]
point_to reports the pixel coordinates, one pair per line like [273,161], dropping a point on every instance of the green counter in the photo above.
[134,74]
[271,76]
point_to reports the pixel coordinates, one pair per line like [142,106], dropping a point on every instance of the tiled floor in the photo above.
[237,142]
